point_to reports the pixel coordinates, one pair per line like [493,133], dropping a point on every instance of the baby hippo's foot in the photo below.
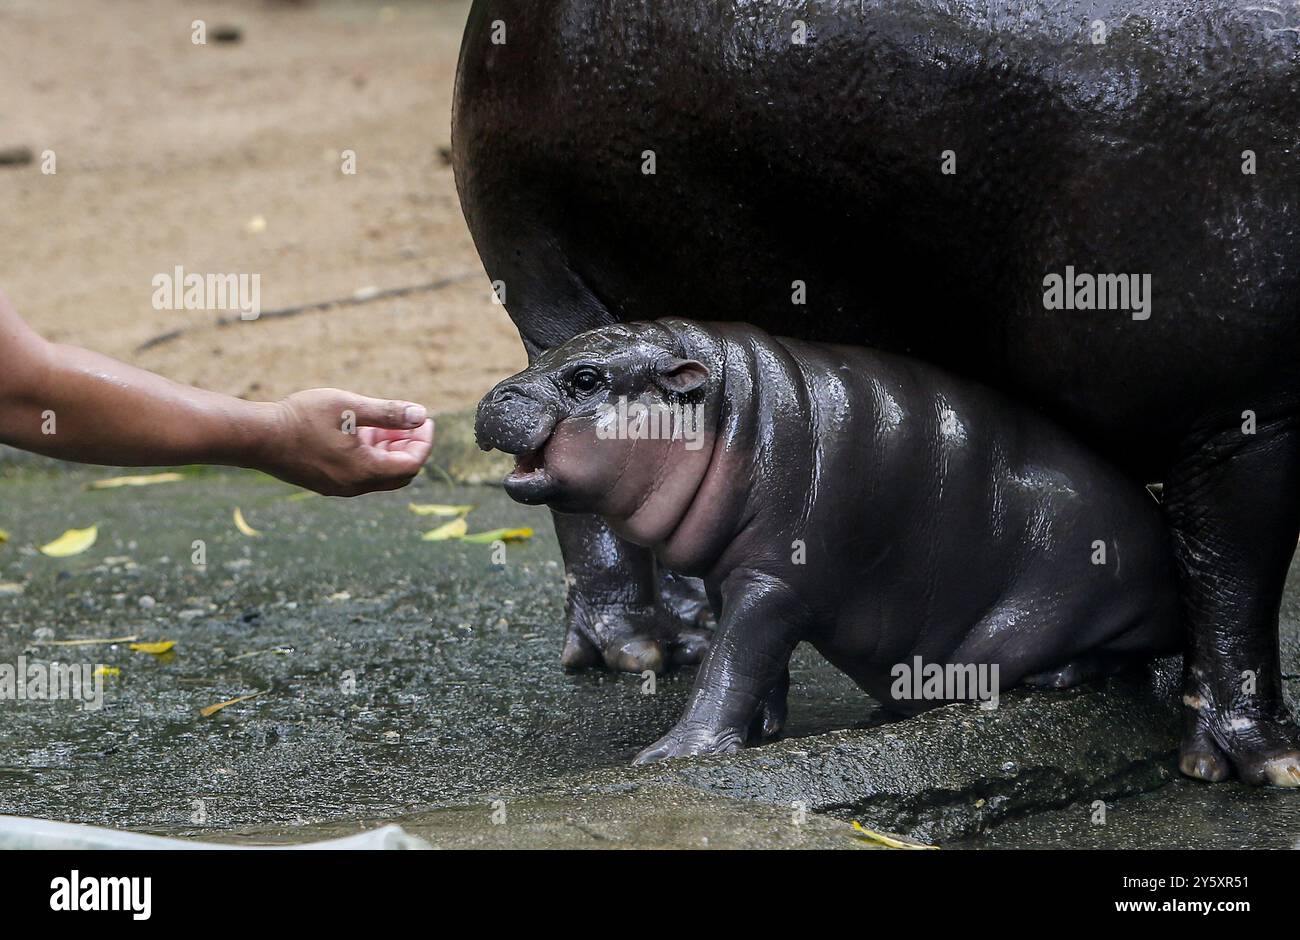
[1260,748]
[628,638]
[770,722]
[692,740]
[688,739]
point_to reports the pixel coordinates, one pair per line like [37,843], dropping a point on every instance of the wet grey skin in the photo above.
[822,162]
[872,505]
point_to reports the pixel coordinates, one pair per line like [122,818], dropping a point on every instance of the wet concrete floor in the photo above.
[395,676]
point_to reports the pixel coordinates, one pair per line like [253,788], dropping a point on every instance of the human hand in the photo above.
[342,444]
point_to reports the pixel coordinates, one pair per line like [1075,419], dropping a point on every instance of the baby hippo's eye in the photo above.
[585,380]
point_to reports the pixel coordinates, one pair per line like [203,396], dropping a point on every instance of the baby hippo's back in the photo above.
[964,528]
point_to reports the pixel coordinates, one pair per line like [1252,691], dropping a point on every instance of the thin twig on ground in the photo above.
[361,297]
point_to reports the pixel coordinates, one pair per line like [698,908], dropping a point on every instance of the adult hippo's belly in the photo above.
[962,183]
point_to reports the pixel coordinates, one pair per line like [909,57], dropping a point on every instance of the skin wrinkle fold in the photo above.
[812,406]
[688,353]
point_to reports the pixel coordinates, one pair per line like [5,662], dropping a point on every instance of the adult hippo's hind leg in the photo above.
[1234,509]
[614,606]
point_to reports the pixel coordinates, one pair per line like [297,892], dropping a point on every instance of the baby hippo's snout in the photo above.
[518,419]
[513,421]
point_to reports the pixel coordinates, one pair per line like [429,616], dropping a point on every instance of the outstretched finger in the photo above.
[388,413]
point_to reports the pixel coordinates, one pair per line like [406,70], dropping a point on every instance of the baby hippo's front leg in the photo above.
[761,623]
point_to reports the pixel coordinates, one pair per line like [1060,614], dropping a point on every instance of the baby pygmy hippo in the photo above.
[928,536]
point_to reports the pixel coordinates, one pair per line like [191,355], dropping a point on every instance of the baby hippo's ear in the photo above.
[680,375]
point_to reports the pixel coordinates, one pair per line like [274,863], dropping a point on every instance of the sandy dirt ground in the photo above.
[226,158]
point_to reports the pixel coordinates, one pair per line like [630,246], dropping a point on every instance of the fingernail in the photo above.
[415,415]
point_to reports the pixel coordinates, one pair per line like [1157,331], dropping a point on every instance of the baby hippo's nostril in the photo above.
[509,419]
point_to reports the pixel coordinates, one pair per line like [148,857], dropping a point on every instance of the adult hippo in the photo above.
[961,182]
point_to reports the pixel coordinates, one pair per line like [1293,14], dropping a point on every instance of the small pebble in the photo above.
[147,602]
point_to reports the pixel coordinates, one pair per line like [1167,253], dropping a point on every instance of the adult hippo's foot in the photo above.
[617,615]
[1234,508]
[1262,748]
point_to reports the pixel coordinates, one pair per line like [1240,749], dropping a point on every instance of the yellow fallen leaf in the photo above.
[503,535]
[4,536]
[879,838]
[213,709]
[95,641]
[437,509]
[72,542]
[242,525]
[157,649]
[450,530]
[107,671]
[147,479]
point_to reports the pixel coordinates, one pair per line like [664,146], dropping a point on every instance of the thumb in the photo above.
[387,413]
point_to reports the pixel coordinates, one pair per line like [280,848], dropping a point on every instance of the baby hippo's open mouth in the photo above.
[530,483]
[516,418]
